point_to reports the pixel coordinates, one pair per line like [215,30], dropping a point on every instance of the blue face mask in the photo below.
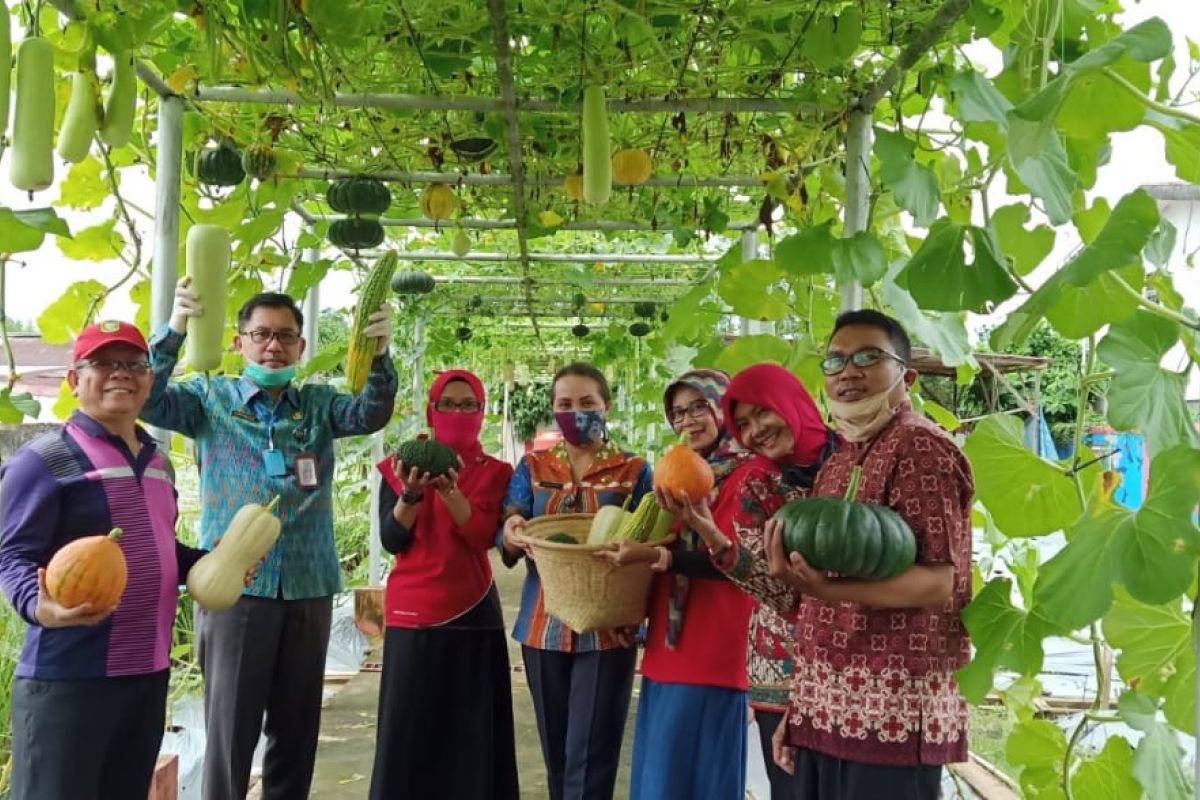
[269,377]
[581,428]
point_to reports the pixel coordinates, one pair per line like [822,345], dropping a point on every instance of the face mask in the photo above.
[269,377]
[454,428]
[581,428]
[862,419]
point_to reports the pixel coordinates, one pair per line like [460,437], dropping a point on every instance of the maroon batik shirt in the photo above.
[877,685]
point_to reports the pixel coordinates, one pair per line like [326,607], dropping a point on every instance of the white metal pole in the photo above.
[312,306]
[374,544]
[858,193]
[165,270]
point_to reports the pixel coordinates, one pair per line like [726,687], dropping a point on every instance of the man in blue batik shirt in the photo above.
[259,435]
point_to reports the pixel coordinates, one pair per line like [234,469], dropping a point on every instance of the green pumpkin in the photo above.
[359,195]
[427,455]
[355,233]
[412,283]
[464,334]
[856,540]
[639,329]
[644,309]
[258,161]
[562,538]
[581,330]
[220,166]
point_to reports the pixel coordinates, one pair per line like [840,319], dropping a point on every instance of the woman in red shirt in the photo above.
[445,726]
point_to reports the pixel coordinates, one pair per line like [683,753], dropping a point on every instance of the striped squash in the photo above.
[361,350]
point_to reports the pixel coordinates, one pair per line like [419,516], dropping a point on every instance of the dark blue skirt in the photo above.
[690,742]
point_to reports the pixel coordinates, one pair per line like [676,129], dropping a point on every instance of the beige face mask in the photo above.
[860,420]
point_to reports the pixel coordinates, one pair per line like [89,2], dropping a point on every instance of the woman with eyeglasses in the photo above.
[445,724]
[691,738]
[580,682]
[771,414]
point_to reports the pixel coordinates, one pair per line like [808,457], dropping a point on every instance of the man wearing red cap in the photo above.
[89,699]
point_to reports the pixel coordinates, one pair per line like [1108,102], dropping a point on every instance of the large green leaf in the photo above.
[943,332]
[1026,248]
[84,188]
[1143,395]
[1004,636]
[1156,654]
[97,243]
[1152,552]
[1157,762]
[940,279]
[1027,495]
[815,250]
[858,258]
[915,186]
[1038,746]
[1183,144]
[1049,176]
[1109,775]
[24,231]
[748,289]
[978,98]
[1118,244]
[690,320]
[63,319]
[1080,116]
[747,350]
[808,252]
[1080,311]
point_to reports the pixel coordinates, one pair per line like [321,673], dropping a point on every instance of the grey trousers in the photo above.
[94,739]
[263,656]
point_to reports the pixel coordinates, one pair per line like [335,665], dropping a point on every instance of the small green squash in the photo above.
[580,330]
[220,166]
[639,329]
[359,195]
[426,455]
[645,310]
[856,540]
[258,161]
[356,233]
[412,283]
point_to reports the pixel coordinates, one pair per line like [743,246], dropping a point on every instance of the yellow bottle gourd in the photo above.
[5,69]
[82,118]
[217,580]
[597,163]
[121,105]
[206,257]
[31,167]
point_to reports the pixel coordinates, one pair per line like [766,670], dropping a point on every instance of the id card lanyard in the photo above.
[273,459]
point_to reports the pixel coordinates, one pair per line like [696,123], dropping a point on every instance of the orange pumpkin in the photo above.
[683,470]
[91,570]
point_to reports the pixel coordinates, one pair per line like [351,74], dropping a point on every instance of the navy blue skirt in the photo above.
[690,742]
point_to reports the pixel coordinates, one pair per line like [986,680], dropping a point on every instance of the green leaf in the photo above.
[1049,176]
[1162,243]
[747,287]
[1095,90]
[139,294]
[26,404]
[915,186]
[252,232]
[690,321]
[1156,654]
[63,319]
[978,98]
[809,252]
[97,243]
[17,237]
[1157,760]
[1152,552]
[848,32]
[305,275]
[940,279]
[1026,494]
[1026,248]
[1004,637]
[9,413]
[84,188]
[1037,747]
[1080,311]
[1143,395]
[1109,775]
[324,361]
[943,333]
[819,45]
[1183,144]
[747,350]
[858,258]
[1118,244]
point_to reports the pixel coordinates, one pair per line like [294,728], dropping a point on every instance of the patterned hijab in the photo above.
[725,456]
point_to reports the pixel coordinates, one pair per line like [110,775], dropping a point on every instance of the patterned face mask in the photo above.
[582,428]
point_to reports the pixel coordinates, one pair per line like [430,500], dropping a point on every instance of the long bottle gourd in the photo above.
[121,104]
[597,159]
[5,69]
[31,166]
[207,263]
[82,118]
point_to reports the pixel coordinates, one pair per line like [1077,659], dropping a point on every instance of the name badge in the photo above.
[274,463]
[306,471]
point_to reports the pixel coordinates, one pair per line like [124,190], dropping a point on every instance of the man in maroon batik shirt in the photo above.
[874,709]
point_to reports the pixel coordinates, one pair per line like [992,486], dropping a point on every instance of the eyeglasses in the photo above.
[867,357]
[695,409]
[465,407]
[109,366]
[264,335]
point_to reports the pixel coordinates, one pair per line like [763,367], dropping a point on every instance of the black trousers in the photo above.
[581,701]
[823,777]
[782,785]
[94,739]
[263,656]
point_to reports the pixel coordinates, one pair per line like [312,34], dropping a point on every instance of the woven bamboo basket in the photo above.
[585,592]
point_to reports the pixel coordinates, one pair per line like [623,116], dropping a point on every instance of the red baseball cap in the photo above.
[110,331]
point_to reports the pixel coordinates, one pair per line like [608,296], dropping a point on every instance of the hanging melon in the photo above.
[121,105]
[220,166]
[437,202]
[412,283]
[82,118]
[461,243]
[597,163]
[356,233]
[639,329]
[258,161]
[31,166]
[359,195]
[631,167]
